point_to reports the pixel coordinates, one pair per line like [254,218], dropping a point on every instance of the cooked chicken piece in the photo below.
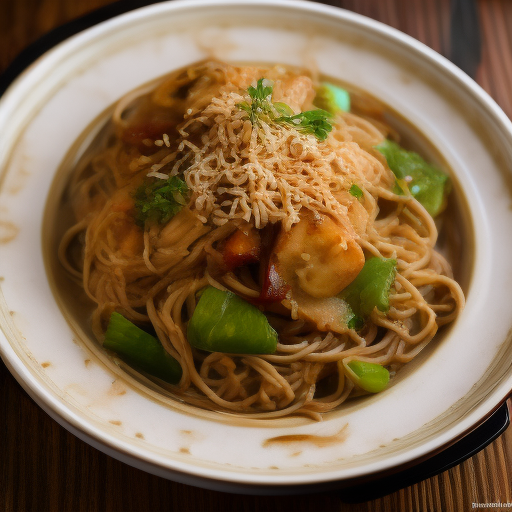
[319,255]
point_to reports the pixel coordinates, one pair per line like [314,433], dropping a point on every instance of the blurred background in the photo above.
[44,468]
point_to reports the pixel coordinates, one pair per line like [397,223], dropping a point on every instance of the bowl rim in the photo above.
[188,472]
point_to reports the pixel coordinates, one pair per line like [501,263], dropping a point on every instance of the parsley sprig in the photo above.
[261,107]
[311,121]
[159,200]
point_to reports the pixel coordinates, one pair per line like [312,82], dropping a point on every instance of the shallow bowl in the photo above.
[455,383]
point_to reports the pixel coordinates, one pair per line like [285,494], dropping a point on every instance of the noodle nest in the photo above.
[261,176]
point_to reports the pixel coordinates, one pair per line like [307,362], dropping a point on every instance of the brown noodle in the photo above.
[240,174]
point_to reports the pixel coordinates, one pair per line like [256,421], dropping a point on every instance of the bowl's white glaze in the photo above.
[455,385]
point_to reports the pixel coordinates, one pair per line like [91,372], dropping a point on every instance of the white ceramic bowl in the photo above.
[454,385]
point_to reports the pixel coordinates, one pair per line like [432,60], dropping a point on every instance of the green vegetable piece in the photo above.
[428,184]
[140,350]
[369,376]
[370,289]
[159,200]
[356,191]
[332,98]
[223,322]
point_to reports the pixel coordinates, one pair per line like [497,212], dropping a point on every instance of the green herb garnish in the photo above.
[311,121]
[261,107]
[159,200]
[356,191]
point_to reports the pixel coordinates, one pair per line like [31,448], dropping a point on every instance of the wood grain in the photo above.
[44,468]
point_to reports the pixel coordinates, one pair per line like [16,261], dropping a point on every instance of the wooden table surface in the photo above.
[43,467]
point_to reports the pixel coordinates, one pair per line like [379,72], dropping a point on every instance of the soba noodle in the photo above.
[264,176]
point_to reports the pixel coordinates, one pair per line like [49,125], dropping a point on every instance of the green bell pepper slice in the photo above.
[332,98]
[371,377]
[370,289]
[428,184]
[223,322]
[140,350]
